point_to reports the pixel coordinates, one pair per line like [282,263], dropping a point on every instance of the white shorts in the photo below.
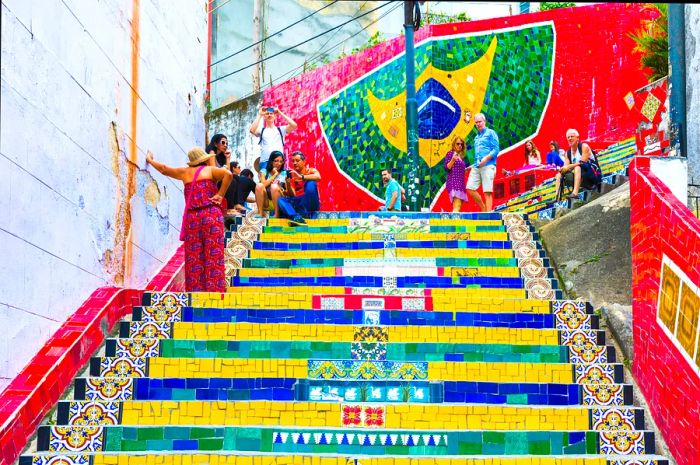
[479,176]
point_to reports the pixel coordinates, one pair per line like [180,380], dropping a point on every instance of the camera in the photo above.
[270,109]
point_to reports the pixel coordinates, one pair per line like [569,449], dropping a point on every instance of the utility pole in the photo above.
[411,106]
[676,80]
[257,55]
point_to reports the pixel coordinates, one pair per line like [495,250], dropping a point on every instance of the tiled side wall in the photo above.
[533,75]
[666,304]
[40,384]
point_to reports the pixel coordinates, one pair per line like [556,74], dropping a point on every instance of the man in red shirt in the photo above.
[302,191]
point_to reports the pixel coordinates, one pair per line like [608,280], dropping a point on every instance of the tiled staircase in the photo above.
[540,201]
[360,339]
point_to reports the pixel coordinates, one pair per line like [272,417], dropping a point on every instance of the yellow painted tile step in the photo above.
[472,271]
[277,299]
[223,459]
[329,414]
[345,333]
[306,237]
[494,372]
[379,253]
[447,299]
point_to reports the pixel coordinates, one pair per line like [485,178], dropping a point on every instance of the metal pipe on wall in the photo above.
[677,77]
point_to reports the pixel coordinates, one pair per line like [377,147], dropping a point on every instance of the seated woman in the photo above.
[218,146]
[272,183]
[533,159]
[556,157]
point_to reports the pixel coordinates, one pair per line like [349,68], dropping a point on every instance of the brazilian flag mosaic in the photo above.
[506,75]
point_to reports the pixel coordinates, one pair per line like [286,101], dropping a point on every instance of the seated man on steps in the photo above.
[580,168]
[302,192]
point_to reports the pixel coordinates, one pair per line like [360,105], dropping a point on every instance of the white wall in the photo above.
[78,210]
[692,93]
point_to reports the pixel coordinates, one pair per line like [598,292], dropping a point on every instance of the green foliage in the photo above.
[652,41]
[545,6]
[442,18]
[375,39]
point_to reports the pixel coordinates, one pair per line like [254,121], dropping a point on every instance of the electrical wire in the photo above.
[272,35]
[319,52]
[300,67]
[297,45]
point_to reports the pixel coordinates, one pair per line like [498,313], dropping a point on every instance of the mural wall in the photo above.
[88,89]
[666,306]
[534,76]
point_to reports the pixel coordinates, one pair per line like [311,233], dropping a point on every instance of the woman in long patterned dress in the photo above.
[456,168]
[203,221]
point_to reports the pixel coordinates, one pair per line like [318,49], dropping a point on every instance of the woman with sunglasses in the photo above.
[218,146]
[456,168]
[272,183]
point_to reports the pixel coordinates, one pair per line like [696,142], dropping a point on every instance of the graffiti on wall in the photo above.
[533,76]
[456,77]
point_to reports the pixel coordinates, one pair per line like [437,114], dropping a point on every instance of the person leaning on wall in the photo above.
[203,220]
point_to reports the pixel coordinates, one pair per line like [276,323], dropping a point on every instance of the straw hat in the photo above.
[197,156]
[256,164]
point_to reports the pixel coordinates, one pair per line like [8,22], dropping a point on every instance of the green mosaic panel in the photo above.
[517,92]
[337,441]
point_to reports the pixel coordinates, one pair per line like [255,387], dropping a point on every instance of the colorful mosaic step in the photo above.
[361,339]
[289,389]
[207,458]
[338,441]
[416,316]
[341,298]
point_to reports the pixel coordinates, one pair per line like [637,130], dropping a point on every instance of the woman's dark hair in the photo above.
[247,173]
[556,145]
[211,147]
[273,156]
[234,164]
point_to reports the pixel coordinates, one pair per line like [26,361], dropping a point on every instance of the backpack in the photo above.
[591,164]
[263,130]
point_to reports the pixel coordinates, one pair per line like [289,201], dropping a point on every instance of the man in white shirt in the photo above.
[271,137]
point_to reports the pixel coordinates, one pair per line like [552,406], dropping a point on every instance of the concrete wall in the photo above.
[692,72]
[87,89]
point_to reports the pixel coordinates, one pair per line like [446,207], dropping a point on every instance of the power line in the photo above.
[318,53]
[300,43]
[271,35]
[392,9]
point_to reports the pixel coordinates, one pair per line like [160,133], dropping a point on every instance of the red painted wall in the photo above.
[595,70]
[662,225]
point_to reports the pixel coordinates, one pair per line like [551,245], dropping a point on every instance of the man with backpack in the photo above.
[581,167]
[271,137]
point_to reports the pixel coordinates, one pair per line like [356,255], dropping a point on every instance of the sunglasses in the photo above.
[459,143]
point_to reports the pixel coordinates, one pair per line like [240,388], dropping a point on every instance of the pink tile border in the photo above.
[33,392]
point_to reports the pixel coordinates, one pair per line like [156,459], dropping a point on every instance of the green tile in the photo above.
[113,439]
[516,399]
[134,446]
[149,433]
[211,444]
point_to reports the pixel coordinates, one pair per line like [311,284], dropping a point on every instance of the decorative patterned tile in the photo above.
[571,315]
[578,337]
[371,317]
[76,438]
[413,304]
[122,367]
[372,304]
[613,419]
[603,394]
[389,282]
[366,370]
[532,268]
[370,334]
[165,306]
[61,459]
[109,389]
[93,413]
[587,353]
[362,415]
[622,442]
[540,289]
[137,348]
[149,330]
[368,350]
[594,374]
[332,303]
